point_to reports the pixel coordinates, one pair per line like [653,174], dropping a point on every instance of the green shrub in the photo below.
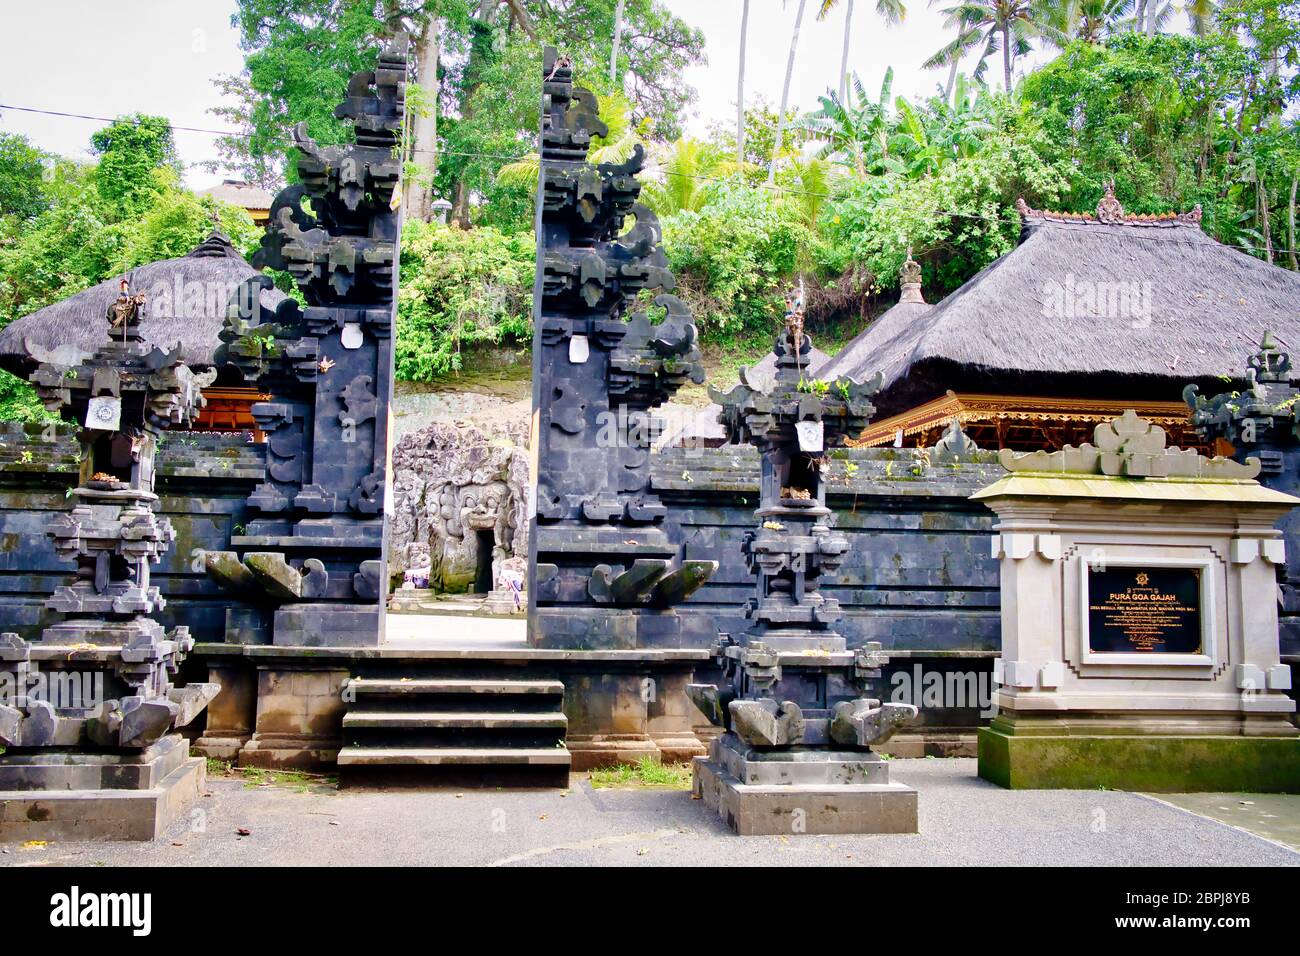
[734,259]
[460,289]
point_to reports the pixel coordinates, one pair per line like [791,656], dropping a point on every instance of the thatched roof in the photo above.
[1085,305]
[186,304]
[239,193]
[863,347]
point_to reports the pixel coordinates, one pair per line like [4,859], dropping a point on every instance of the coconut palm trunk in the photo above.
[1006,55]
[618,39]
[844,56]
[740,86]
[779,144]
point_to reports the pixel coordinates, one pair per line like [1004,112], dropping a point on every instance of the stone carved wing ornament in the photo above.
[1130,447]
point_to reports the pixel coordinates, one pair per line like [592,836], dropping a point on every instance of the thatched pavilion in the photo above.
[186,304]
[1087,316]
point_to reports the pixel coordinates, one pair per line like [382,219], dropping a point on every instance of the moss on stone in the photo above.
[1157,764]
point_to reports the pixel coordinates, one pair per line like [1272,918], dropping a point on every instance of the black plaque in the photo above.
[1138,610]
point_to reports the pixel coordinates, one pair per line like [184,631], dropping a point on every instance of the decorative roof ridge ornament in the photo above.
[909,280]
[1129,447]
[1109,209]
[1107,215]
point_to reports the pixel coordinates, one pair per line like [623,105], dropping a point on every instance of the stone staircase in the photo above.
[430,727]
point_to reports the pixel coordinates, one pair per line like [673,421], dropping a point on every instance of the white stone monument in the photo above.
[1139,621]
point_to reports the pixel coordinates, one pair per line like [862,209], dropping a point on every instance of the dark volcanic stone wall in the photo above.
[203,481]
[919,575]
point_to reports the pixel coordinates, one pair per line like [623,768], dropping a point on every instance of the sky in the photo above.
[104,58]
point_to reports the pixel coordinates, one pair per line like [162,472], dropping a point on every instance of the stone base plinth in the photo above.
[931,744]
[289,752]
[102,814]
[1155,763]
[794,792]
[598,751]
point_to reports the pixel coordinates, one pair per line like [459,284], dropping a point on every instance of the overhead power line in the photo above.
[504,159]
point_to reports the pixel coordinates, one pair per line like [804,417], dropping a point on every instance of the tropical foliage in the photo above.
[835,195]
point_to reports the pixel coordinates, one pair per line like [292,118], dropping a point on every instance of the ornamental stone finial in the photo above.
[1109,209]
[909,279]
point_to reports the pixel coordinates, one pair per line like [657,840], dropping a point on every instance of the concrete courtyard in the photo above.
[963,821]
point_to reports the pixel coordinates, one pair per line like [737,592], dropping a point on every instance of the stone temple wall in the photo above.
[919,574]
[203,481]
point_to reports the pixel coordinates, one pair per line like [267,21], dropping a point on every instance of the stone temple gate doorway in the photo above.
[486,540]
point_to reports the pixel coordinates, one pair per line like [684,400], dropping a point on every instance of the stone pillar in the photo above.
[232,714]
[299,722]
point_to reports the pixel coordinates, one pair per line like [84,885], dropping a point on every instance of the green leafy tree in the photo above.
[22,178]
[957,217]
[130,150]
[734,258]
[460,289]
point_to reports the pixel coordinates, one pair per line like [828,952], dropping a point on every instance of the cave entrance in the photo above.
[483,575]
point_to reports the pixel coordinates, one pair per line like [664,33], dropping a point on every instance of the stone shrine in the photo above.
[796,755]
[1264,422]
[603,574]
[1139,621]
[88,712]
[312,557]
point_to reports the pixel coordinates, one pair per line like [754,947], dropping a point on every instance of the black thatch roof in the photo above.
[1085,305]
[204,277]
[889,325]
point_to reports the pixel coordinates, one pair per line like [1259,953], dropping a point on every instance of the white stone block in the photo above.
[997,546]
[1049,546]
[1279,677]
[1250,677]
[1017,546]
[998,671]
[1275,550]
[1052,675]
[1020,674]
[1244,550]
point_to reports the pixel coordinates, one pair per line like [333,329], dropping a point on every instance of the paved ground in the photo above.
[450,630]
[963,821]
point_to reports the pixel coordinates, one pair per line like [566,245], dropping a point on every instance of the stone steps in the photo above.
[429,727]
[381,686]
[450,718]
[435,756]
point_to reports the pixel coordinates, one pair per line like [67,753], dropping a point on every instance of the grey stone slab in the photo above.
[95,815]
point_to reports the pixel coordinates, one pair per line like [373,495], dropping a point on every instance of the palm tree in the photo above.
[1201,13]
[854,131]
[785,95]
[950,55]
[892,10]
[1002,25]
[1063,21]
[686,168]
[740,85]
